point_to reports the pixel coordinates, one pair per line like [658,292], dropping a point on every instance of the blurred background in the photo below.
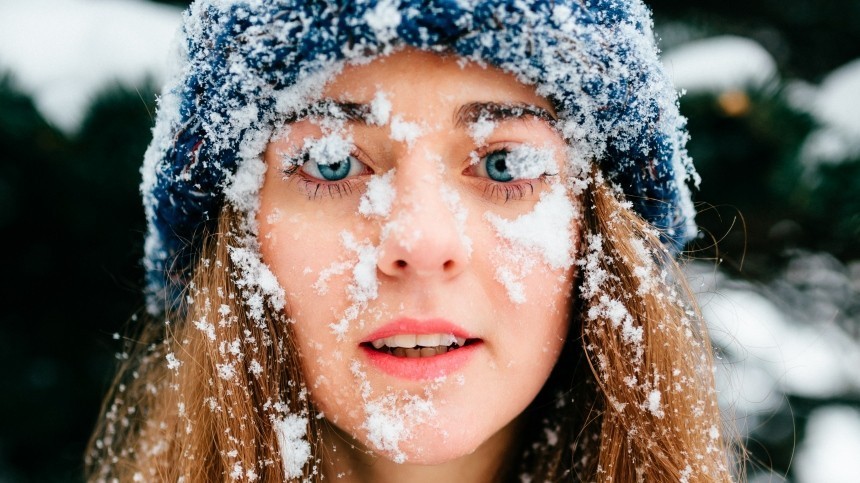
[772,93]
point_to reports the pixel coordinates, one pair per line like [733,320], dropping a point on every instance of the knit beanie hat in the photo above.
[246,66]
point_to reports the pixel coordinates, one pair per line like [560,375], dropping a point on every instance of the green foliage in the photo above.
[761,204]
[757,198]
[808,38]
[752,198]
[834,209]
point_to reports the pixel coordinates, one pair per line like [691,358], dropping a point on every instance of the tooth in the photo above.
[402,340]
[428,340]
[442,349]
[428,351]
[378,343]
[398,352]
[412,353]
[447,339]
[461,341]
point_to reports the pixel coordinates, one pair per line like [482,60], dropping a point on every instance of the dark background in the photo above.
[71,223]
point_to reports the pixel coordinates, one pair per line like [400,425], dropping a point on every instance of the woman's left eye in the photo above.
[337,171]
[494,165]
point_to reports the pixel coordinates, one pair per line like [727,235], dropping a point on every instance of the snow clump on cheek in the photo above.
[545,234]
[375,203]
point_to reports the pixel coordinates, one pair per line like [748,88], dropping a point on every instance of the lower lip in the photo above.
[422,368]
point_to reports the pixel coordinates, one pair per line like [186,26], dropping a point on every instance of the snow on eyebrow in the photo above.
[481,118]
[499,111]
[481,129]
[380,109]
[327,110]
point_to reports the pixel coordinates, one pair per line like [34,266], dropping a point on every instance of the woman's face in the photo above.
[418,221]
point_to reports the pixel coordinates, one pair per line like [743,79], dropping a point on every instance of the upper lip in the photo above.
[406,325]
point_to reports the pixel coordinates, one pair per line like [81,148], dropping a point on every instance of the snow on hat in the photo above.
[246,66]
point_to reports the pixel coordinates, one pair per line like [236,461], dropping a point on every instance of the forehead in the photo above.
[415,79]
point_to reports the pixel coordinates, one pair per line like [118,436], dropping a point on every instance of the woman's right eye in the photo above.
[337,171]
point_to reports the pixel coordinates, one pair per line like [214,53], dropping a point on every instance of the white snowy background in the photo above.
[775,340]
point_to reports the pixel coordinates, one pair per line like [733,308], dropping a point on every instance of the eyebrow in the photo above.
[347,111]
[465,115]
[498,111]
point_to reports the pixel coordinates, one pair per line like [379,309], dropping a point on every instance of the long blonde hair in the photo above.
[632,397]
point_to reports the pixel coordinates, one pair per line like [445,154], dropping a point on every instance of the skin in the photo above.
[424,269]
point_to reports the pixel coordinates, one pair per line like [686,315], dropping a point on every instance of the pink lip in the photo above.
[425,367]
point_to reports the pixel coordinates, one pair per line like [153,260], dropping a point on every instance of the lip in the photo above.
[425,367]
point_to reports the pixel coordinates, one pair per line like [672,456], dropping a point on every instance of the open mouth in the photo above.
[418,346]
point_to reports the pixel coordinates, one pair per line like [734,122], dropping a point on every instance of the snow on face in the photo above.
[364,284]
[481,129]
[544,232]
[323,256]
[380,109]
[404,131]
[391,415]
[377,200]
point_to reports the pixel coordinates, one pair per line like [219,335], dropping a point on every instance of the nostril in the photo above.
[400,263]
[448,265]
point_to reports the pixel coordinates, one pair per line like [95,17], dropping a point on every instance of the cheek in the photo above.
[305,250]
[534,332]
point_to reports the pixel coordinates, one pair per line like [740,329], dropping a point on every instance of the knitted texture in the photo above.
[244,66]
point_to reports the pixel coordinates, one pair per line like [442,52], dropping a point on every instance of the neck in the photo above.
[349,461]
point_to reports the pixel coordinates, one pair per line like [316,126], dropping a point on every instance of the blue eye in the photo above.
[334,171]
[496,167]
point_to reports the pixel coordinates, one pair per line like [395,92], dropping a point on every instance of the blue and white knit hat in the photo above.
[245,66]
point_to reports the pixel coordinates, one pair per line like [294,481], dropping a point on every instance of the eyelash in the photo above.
[315,188]
[504,192]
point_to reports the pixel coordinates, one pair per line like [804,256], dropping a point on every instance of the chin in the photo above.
[435,444]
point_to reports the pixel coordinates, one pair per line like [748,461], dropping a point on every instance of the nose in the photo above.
[424,236]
